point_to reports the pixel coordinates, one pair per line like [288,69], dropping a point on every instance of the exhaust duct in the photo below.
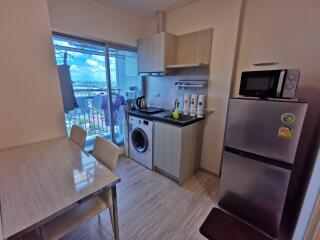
[161,21]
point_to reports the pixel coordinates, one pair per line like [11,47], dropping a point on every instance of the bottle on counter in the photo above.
[193,106]
[201,105]
[186,104]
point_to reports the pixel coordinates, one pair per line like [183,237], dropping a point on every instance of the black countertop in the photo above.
[162,117]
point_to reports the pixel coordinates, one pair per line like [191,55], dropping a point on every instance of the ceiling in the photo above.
[145,9]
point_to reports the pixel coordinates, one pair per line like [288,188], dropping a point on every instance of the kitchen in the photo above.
[243,34]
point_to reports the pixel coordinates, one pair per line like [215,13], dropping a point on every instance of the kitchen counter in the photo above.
[163,117]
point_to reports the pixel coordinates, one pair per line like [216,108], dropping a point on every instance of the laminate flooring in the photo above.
[153,207]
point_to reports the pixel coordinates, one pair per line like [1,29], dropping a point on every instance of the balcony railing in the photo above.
[93,115]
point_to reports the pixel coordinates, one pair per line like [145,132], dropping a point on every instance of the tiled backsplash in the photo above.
[161,91]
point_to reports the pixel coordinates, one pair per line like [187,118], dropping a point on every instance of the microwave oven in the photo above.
[280,83]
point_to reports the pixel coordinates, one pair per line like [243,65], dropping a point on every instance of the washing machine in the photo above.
[140,140]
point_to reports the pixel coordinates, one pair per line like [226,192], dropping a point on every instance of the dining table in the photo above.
[42,180]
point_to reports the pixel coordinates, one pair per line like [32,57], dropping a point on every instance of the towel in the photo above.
[68,98]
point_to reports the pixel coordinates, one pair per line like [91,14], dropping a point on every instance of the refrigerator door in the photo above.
[267,128]
[253,191]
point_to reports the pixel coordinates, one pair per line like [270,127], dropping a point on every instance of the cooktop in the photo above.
[151,110]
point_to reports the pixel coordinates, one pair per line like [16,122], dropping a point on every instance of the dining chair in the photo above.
[107,154]
[78,135]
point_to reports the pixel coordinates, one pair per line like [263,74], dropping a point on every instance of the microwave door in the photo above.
[261,84]
[259,127]
[280,83]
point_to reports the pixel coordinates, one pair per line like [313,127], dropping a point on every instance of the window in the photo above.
[96,80]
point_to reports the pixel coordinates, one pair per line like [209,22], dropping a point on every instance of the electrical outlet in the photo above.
[156,94]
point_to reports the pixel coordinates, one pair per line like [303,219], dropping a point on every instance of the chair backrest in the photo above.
[106,152]
[78,135]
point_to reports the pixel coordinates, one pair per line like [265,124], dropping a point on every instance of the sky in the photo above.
[85,67]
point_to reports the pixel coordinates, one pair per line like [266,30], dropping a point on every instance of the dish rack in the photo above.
[191,84]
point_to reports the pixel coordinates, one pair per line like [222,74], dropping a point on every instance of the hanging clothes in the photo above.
[105,108]
[97,101]
[119,101]
[68,98]
[118,114]
[101,101]
[83,105]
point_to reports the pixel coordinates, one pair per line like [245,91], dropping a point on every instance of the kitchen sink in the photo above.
[182,118]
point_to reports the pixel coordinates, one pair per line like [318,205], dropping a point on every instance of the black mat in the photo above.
[222,226]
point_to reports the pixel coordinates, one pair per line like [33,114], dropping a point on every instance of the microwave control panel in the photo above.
[290,83]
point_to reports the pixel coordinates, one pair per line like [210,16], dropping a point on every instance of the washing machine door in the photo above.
[139,140]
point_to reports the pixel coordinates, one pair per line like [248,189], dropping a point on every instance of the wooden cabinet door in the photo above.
[191,139]
[167,148]
[195,47]
[151,51]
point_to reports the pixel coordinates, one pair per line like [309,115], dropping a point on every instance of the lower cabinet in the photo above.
[177,150]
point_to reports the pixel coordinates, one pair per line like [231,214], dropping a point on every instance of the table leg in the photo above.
[115,212]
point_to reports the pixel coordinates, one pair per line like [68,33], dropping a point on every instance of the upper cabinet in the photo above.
[193,49]
[164,51]
[155,52]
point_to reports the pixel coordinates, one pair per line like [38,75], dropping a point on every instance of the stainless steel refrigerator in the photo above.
[261,141]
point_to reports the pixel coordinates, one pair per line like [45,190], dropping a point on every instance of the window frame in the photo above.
[106,44]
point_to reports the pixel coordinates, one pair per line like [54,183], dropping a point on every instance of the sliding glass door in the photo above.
[124,85]
[96,80]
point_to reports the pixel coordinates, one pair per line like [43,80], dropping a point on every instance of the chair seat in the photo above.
[222,226]
[70,220]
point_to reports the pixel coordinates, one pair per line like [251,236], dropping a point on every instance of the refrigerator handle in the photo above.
[277,163]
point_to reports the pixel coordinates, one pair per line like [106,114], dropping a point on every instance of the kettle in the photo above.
[141,102]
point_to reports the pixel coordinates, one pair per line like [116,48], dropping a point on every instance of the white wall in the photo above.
[223,16]
[283,31]
[93,19]
[287,32]
[30,102]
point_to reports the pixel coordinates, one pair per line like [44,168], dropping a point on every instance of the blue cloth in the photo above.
[83,104]
[97,101]
[105,108]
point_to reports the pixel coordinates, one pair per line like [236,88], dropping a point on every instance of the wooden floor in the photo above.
[151,206]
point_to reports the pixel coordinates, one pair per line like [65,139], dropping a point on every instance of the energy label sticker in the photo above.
[288,118]
[285,132]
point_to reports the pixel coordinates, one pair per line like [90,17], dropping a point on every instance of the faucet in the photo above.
[175,113]
[176,104]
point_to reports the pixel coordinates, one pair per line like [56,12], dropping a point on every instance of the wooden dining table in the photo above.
[42,180]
